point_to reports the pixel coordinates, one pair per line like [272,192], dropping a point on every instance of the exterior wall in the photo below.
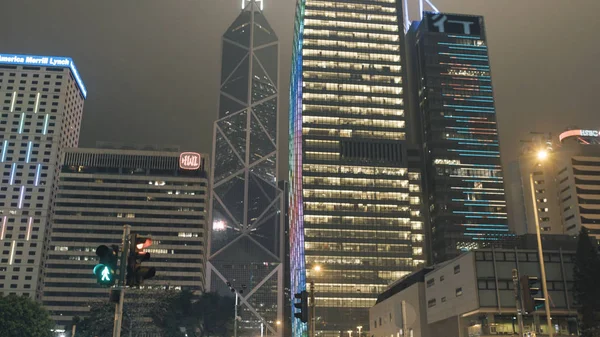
[41,115]
[465,185]
[451,289]
[246,240]
[386,317]
[101,190]
[355,178]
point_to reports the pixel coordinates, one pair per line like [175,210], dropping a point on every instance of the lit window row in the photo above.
[352,76]
[363,261]
[352,110]
[356,234]
[357,182]
[357,247]
[346,169]
[356,220]
[380,123]
[389,69]
[347,207]
[348,288]
[334,54]
[349,15]
[351,45]
[351,35]
[351,6]
[345,302]
[376,89]
[367,195]
[351,25]
[352,99]
[354,133]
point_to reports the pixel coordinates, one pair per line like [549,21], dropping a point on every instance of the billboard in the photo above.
[454,24]
[189,160]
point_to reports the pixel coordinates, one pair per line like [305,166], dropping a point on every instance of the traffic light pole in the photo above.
[313,316]
[541,257]
[121,284]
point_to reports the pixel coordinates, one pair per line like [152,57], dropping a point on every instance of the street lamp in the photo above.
[349,333]
[541,155]
[359,330]
[237,295]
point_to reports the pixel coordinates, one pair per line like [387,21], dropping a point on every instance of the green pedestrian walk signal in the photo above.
[106,268]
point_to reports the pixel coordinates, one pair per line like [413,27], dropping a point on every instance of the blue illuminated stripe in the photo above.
[473,96]
[488,229]
[484,205]
[46,124]
[28,152]
[473,37]
[461,44]
[468,58]
[470,107]
[487,141]
[477,144]
[37,174]
[4,149]
[482,57]
[22,123]
[12,173]
[21,196]
[484,217]
[475,111]
[478,155]
[469,48]
[483,200]
[484,213]
[472,151]
[484,225]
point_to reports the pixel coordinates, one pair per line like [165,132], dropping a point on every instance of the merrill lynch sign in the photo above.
[189,161]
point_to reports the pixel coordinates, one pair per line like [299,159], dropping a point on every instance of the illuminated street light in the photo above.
[317,268]
[278,322]
[542,154]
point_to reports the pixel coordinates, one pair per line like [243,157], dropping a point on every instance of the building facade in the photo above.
[355,179]
[41,109]
[456,109]
[246,242]
[100,190]
[474,295]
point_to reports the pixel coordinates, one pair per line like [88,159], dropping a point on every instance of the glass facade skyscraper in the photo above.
[246,240]
[455,103]
[355,206]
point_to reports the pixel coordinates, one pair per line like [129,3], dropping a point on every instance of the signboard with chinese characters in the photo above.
[189,160]
[454,24]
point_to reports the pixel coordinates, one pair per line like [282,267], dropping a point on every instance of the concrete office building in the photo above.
[455,105]
[159,194]
[473,295]
[566,183]
[41,108]
[246,238]
[355,176]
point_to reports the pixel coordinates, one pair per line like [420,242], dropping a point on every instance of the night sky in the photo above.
[152,67]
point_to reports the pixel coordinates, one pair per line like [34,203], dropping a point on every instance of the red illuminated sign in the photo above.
[189,161]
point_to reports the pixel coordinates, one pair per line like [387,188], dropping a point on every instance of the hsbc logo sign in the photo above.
[589,133]
[189,160]
[454,24]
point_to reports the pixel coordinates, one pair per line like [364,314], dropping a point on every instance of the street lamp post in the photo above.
[313,316]
[359,328]
[349,333]
[541,155]
[237,294]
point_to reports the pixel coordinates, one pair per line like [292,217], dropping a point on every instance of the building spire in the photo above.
[252,5]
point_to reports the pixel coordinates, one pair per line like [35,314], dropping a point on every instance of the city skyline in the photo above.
[519,51]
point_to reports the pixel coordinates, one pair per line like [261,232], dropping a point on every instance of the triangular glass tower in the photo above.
[246,241]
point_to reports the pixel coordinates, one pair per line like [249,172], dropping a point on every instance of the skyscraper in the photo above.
[246,243]
[159,194]
[355,205]
[456,108]
[42,107]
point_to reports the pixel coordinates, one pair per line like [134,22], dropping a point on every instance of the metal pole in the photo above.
[541,257]
[121,284]
[73,331]
[313,319]
[236,315]
[404,323]
[515,276]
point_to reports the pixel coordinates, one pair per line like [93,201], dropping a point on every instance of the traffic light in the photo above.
[531,289]
[106,268]
[136,273]
[302,305]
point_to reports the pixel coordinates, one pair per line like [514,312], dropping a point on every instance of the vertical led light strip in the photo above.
[37,102]
[21,195]
[46,124]
[4,149]
[29,228]
[3,229]
[12,102]
[12,252]
[22,123]
[37,174]
[12,173]
[28,152]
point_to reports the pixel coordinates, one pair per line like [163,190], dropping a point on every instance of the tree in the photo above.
[586,275]
[207,315]
[21,316]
